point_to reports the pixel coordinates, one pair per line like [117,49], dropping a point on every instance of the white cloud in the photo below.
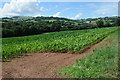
[20,7]
[57,14]
[107,10]
[77,16]
[94,17]
[66,9]
[38,15]
[115,15]
[43,9]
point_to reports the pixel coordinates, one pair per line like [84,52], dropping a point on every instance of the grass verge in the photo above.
[103,63]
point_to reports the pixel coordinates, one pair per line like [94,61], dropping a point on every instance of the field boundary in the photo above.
[96,42]
[80,52]
[98,58]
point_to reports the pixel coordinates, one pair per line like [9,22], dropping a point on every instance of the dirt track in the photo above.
[41,65]
[38,65]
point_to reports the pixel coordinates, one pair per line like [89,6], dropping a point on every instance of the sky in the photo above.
[71,10]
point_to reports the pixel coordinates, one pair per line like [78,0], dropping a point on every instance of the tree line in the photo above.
[38,25]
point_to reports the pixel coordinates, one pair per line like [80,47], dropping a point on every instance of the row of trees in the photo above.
[38,26]
[24,29]
[102,23]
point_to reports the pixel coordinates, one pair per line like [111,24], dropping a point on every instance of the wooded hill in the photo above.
[23,25]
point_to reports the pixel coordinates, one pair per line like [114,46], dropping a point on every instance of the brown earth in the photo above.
[44,65]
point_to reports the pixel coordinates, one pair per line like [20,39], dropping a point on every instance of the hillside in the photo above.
[23,25]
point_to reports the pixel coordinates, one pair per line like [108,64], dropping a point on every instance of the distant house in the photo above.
[88,22]
[51,21]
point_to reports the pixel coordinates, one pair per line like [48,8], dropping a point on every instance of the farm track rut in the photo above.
[44,65]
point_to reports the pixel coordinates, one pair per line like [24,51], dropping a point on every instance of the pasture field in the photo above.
[103,63]
[64,41]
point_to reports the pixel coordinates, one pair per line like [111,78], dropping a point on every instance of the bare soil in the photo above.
[44,65]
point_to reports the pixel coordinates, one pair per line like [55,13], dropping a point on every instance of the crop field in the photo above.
[64,41]
[103,63]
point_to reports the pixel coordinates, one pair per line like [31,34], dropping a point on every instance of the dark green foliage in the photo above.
[107,24]
[100,23]
[5,32]
[56,26]
[118,21]
[23,26]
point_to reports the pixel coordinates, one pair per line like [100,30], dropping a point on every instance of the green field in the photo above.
[64,41]
[103,63]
